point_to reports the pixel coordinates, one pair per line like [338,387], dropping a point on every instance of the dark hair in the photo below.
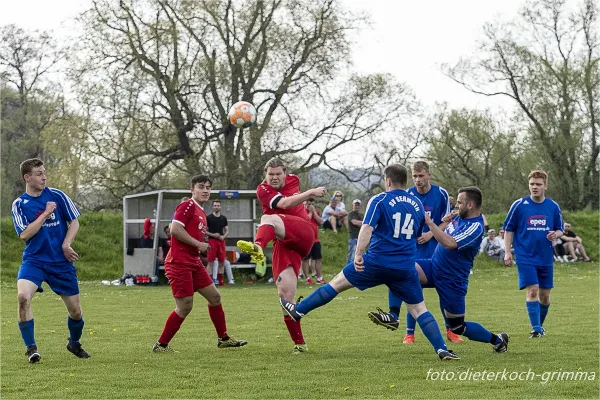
[200,179]
[397,173]
[28,165]
[421,166]
[216,201]
[311,199]
[473,193]
[274,163]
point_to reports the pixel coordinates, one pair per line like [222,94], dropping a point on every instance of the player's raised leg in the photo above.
[475,331]
[25,291]
[271,227]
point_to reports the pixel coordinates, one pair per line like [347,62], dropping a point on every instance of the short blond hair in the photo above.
[539,174]
[274,163]
[420,166]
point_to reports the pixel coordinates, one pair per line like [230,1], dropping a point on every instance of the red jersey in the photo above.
[269,196]
[192,217]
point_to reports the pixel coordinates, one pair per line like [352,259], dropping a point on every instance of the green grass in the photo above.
[348,356]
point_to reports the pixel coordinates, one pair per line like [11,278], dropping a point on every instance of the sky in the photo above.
[408,39]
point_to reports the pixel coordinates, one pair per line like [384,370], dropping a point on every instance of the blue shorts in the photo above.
[452,295]
[530,275]
[61,277]
[404,283]
[427,267]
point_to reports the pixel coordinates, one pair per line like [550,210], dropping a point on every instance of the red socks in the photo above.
[172,325]
[220,279]
[217,316]
[294,329]
[264,234]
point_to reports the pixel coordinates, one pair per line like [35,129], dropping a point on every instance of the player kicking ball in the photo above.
[393,222]
[285,221]
[448,270]
[187,275]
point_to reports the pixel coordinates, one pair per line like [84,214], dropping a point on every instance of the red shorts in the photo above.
[185,280]
[217,250]
[299,239]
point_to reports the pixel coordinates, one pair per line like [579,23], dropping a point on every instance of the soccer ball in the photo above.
[242,114]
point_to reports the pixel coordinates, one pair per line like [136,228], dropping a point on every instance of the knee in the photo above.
[285,293]
[23,301]
[457,325]
[184,308]
[533,293]
[215,299]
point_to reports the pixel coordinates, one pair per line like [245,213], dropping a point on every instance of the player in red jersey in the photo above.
[286,222]
[185,270]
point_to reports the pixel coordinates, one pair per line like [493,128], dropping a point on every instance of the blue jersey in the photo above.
[531,222]
[46,245]
[437,204]
[453,266]
[397,219]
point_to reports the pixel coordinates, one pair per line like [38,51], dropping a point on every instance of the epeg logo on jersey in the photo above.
[51,216]
[537,220]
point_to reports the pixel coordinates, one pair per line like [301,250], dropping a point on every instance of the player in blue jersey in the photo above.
[534,222]
[393,221]
[46,219]
[436,202]
[448,270]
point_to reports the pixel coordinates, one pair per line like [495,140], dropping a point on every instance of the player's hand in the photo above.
[70,254]
[508,259]
[552,236]
[50,207]
[359,263]
[450,216]
[428,219]
[426,237]
[319,192]
[203,247]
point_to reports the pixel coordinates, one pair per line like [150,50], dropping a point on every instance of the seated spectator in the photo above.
[340,199]
[559,251]
[493,246]
[147,242]
[573,244]
[333,216]
[165,243]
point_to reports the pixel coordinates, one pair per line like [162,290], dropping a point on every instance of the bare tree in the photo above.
[162,74]
[547,63]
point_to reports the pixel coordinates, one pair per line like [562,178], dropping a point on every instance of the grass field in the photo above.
[348,356]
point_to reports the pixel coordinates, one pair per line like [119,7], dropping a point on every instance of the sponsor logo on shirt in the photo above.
[537,220]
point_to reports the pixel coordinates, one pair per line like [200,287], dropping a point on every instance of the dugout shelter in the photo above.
[239,206]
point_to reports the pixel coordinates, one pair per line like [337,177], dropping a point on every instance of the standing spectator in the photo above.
[314,259]
[165,243]
[356,221]
[340,199]
[217,233]
[573,244]
[493,246]
[334,217]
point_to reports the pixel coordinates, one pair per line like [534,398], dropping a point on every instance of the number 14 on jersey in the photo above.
[407,226]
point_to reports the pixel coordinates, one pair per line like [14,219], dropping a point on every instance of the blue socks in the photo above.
[533,309]
[543,312]
[316,299]
[478,333]
[26,328]
[75,330]
[411,323]
[394,302]
[431,330]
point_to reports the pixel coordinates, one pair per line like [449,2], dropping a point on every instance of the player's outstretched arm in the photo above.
[36,225]
[293,201]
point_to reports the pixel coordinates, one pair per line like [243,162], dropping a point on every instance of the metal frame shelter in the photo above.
[239,206]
